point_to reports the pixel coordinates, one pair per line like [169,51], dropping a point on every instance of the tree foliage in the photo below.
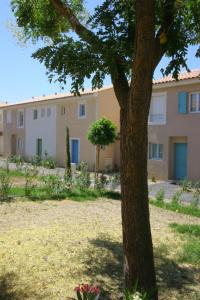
[105,47]
[102,132]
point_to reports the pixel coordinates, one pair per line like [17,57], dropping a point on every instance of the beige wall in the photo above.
[77,128]
[10,129]
[108,107]
[178,126]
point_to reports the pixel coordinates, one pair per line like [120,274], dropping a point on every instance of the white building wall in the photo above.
[43,127]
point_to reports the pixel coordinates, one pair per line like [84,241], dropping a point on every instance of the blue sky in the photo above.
[22,77]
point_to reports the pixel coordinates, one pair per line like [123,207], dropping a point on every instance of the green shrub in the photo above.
[101,182]
[30,175]
[195,199]
[36,160]
[82,179]
[17,159]
[48,163]
[153,178]
[160,195]
[54,187]
[5,186]
[176,198]
[114,182]
[186,185]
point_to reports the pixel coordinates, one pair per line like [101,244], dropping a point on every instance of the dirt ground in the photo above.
[47,248]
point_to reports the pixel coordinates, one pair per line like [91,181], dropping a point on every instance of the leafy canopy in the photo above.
[104,45]
[102,132]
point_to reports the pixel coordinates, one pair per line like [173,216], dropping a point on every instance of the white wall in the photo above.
[44,127]
[1,145]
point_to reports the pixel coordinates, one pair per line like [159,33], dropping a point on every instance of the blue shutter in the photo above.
[182,102]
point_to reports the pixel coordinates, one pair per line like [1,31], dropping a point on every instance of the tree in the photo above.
[68,171]
[101,133]
[125,39]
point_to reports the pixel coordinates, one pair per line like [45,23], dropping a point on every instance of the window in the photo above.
[48,112]
[155,151]
[8,117]
[19,143]
[195,102]
[157,113]
[82,110]
[42,112]
[35,114]
[63,110]
[39,147]
[20,118]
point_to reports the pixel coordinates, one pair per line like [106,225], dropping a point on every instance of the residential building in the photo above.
[174,127]
[2,104]
[38,126]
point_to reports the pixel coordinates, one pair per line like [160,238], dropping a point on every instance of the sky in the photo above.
[22,77]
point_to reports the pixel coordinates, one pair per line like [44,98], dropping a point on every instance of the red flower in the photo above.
[87,289]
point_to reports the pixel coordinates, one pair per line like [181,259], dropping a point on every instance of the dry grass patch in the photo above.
[48,248]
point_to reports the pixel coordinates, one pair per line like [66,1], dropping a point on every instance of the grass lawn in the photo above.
[179,208]
[47,248]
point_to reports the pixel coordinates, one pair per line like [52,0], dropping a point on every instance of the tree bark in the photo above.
[137,240]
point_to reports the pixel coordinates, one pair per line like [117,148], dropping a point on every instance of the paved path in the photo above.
[169,189]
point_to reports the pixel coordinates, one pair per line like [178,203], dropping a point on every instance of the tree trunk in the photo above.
[137,240]
[97,161]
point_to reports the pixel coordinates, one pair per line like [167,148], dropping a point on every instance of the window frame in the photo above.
[8,112]
[197,104]
[35,117]
[49,112]
[165,109]
[42,112]
[18,114]
[63,110]
[158,151]
[79,106]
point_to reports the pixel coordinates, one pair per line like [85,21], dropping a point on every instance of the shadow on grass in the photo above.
[10,289]
[104,265]
[7,290]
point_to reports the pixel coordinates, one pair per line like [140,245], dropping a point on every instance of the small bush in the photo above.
[176,198]
[54,187]
[195,199]
[5,186]
[100,182]
[82,179]
[160,195]
[36,160]
[186,185]
[48,163]
[30,175]
[17,159]
[153,178]
[114,182]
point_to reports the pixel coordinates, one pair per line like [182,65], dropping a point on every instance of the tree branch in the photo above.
[168,18]
[84,33]
[121,86]
[120,81]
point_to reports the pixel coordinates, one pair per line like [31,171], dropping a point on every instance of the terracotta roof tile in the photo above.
[182,76]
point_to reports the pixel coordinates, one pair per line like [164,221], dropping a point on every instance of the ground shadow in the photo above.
[9,290]
[105,265]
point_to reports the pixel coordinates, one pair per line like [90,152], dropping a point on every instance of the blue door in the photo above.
[75,151]
[180,161]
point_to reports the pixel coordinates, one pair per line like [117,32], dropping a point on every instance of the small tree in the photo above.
[68,171]
[101,133]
